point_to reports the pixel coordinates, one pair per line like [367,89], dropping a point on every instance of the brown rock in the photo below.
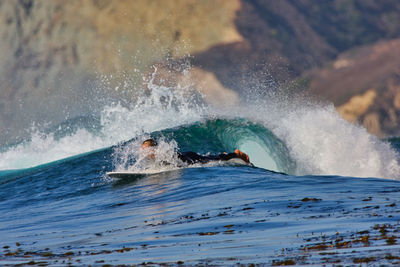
[396,100]
[356,71]
[348,80]
[357,106]
[372,123]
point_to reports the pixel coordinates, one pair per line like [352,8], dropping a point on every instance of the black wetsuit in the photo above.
[193,158]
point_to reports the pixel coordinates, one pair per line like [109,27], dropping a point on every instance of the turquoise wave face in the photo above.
[223,135]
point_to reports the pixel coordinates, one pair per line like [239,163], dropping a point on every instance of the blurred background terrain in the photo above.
[59,57]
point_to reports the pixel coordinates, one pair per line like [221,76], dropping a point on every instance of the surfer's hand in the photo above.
[242,155]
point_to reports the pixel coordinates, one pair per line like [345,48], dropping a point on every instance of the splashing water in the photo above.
[323,143]
[316,138]
[160,108]
[132,158]
[319,141]
[43,148]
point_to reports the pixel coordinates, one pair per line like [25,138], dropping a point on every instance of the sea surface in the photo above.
[321,191]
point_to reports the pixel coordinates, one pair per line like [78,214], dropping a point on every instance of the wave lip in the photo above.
[322,143]
[162,108]
[215,136]
[291,136]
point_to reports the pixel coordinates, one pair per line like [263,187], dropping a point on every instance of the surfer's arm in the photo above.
[192,157]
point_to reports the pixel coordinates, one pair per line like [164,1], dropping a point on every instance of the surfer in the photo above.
[193,158]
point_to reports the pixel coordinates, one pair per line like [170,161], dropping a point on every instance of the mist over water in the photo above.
[310,135]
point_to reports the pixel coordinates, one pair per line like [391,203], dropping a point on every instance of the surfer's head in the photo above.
[148,147]
[149,143]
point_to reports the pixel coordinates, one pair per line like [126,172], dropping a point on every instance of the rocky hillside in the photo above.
[364,84]
[345,52]
[54,54]
[58,57]
[287,37]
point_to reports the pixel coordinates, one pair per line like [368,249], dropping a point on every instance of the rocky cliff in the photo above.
[288,37]
[338,51]
[60,57]
[54,53]
[364,84]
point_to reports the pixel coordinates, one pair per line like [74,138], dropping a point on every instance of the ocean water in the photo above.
[321,191]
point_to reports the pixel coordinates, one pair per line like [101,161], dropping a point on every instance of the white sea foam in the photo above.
[132,158]
[322,143]
[318,140]
[43,148]
[160,108]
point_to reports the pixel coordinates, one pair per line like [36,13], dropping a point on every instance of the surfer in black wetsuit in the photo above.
[193,158]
